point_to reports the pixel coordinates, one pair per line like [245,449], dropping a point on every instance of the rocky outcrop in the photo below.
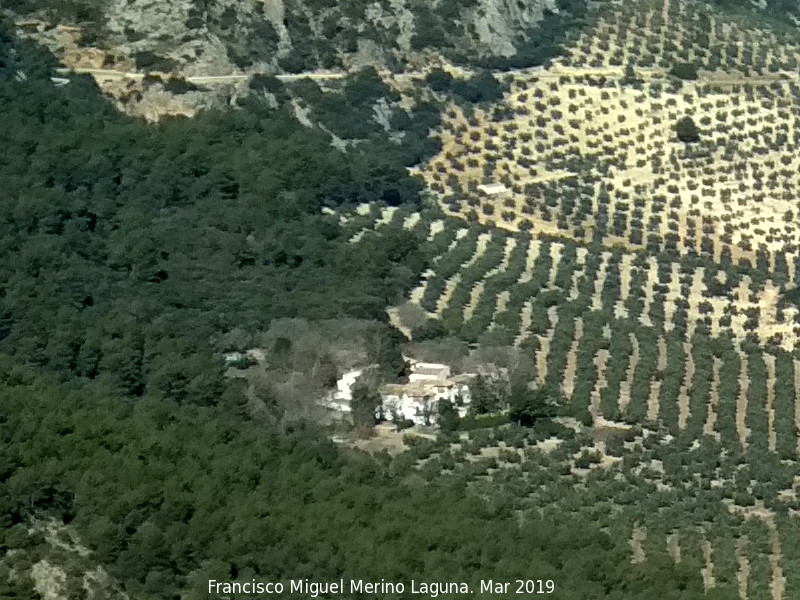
[499,24]
[214,37]
[47,559]
[211,38]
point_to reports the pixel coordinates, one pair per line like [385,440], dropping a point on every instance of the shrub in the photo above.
[430,330]
[586,459]
[149,61]
[469,423]
[686,71]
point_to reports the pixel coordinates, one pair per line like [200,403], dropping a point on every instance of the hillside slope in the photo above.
[216,37]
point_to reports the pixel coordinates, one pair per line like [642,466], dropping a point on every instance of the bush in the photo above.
[439,80]
[469,423]
[686,71]
[430,330]
[586,459]
[509,456]
[547,428]
[149,61]
[402,424]
[481,87]
[615,446]
[178,85]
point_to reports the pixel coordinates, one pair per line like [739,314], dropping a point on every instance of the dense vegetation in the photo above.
[364,112]
[169,496]
[481,87]
[129,248]
[126,246]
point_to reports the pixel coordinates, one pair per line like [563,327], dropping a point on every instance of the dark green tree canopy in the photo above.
[687,131]
[527,406]
[684,70]
[127,245]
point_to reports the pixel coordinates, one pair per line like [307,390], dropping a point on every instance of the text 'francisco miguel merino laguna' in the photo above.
[313,589]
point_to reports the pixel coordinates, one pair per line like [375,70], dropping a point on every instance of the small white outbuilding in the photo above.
[493,189]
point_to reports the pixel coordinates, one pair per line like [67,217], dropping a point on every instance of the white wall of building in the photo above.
[415,408]
[342,396]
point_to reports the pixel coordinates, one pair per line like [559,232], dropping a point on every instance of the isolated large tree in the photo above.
[687,131]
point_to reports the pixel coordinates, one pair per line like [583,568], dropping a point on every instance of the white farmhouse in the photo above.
[418,399]
[418,402]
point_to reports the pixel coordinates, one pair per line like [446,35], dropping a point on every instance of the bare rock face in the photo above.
[165,36]
[147,21]
[155,99]
[57,565]
[498,23]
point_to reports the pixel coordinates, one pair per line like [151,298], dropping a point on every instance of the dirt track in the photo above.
[114,75]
